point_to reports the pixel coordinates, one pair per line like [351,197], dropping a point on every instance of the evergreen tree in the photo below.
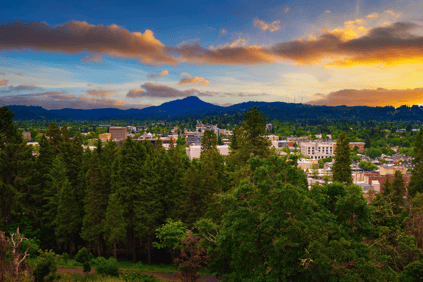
[255,131]
[209,141]
[398,187]
[95,204]
[67,219]
[57,180]
[416,182]
[342,167]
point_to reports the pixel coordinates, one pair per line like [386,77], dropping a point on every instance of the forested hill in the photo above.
[194,107]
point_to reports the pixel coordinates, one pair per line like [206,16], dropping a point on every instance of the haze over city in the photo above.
[122,54]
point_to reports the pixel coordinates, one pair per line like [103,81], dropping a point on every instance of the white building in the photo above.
[318,150]
[195,151]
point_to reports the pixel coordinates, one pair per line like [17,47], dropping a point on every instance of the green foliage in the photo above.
[83,257]
[368,166]
[46,266]
[342,167]
[65,258]
[413,272]
[416,182]
[170,234]
[107,267]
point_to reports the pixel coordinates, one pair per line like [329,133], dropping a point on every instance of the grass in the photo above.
[128,265]
[74,277]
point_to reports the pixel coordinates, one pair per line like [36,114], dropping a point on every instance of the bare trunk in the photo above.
[16,255]
[114,248]
[70,249]
[149,250]
[98,248]
[133,248]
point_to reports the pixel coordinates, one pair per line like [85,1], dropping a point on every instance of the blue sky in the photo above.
[90,54]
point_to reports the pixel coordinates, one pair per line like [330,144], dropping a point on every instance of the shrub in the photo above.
[65,258]
[46,266]
[83,257]
[412,272]
[107,267]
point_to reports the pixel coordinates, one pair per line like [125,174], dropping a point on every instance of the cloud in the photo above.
[20,88]
[286,10]
[97,58]
[190,80]
[223,31]
[135,93]
[223,105]
[4,82]
[161,74]
[76,37]
[2,73]
[392,13]
[100,93]
[371,97]
[274,26]
[62,99]
[19,73]
[185,74]
[391,45]
[372,15]
[162,91]
[327,12]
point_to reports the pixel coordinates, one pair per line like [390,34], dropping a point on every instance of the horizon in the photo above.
[122,55]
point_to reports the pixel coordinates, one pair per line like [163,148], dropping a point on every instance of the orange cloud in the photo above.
[161,74]
[190,80]
[274,26]
[223,31]
[204,82]
[4,82]
[100,93]
[372,15]
[135,93]
[367,97]
[286,10]
[327,11]
[76,37]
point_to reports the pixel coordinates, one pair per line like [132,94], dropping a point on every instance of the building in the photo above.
[273,137]
[195,151]
[318,150]
[105,137]
[194,138]
[26,135]
[269,127]
[360,146]
[118,133]
[200,127]
[388,170]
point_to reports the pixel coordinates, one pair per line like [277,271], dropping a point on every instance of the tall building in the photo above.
[269,127]
[118,133]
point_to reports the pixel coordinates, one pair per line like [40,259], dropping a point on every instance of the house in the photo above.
[195,151]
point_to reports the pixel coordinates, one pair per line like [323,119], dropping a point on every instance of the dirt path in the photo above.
[168,276]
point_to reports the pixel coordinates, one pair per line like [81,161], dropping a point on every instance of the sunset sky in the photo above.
[133,54]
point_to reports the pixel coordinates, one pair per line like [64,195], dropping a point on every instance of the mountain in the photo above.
[193,107]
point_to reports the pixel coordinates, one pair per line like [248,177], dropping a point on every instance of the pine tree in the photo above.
[209,141]
[342,167]
[416,182]
[95,204]
[255,131]
[398,187]
[67,219]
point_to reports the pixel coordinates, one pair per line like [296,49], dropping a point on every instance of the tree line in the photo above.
[256,216]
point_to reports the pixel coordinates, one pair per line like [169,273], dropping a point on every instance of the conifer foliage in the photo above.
[342,167]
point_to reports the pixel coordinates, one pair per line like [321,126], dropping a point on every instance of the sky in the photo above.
[135,54]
